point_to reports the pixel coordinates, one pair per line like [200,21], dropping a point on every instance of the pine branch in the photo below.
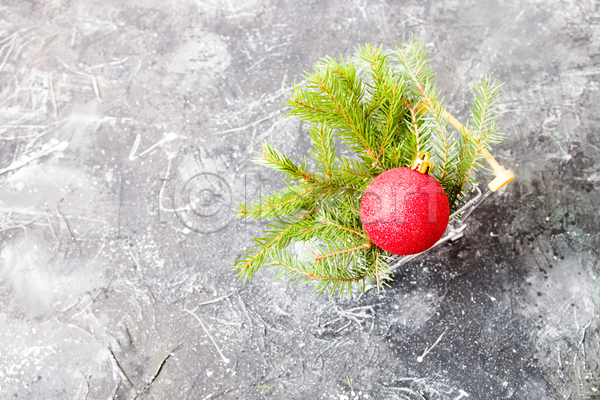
[414,58]
[444,147]
[335,278]
[348,117]
[486,95]
[283,203]
[273,241]
[414,127]
[481,129]
[272,158]
[386,108]
[347,75]
[324,149]
[326,221]
[379,73]
[301,101]
[355,174]
[321,257]
[301,271]
[326,101]
[391,122]
[384,113]
[377,276]
[469,156]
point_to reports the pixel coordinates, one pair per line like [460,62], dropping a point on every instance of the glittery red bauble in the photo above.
[404,211]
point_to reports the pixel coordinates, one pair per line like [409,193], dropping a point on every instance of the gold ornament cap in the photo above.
[422,163]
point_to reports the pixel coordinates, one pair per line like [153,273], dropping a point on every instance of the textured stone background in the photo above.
[110,111]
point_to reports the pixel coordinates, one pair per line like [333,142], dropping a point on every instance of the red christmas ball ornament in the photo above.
[404,211]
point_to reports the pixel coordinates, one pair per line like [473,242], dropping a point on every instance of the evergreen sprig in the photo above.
[384,107]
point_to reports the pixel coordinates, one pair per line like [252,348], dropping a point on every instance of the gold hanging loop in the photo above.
[422,163]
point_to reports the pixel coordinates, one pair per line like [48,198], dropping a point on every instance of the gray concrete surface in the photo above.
[110,112]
